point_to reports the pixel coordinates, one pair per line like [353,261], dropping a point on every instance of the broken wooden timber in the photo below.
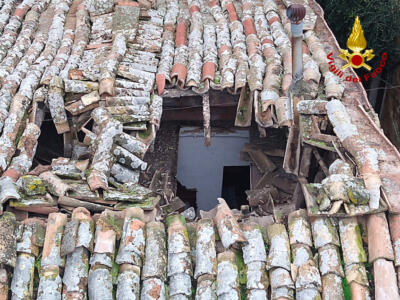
[244,108]
[206,119]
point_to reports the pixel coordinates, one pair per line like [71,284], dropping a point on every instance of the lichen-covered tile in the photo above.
[279,251]
[69,238]
[132,245]
[282,293]
[206,257]
[180,284]
[206,288]
[77,262]
[394,224]
[357,273]
[51,255]
[178,239]
[128,285]
[254,249]
[324,232]
[279,278]
[329,260]
[50,284]
[153,289]
[228,228]
[8,254]
[332,287]
[308,277]
[28,250]
[301,254]
[155,264]
[256,275]
[100,284]
[299,228]
[352,245]
[227,276]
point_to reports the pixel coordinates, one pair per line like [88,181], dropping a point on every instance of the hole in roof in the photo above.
[204,169]
[50,143]
[235,182]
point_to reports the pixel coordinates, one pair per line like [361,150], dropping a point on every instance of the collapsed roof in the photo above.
[102,69]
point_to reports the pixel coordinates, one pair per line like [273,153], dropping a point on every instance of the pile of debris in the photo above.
[96,77]
[272,184]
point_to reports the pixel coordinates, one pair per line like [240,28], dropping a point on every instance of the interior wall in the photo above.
[202,167]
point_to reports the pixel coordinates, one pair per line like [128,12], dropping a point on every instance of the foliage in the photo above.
[380,21]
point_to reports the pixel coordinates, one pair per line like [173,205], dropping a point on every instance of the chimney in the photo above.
[296,13]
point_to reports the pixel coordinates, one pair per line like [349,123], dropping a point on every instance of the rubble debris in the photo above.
[366,157]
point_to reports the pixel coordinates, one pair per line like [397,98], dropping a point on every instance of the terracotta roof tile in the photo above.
[145,244]
[103,60]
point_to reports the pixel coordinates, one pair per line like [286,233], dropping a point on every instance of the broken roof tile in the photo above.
[228,228]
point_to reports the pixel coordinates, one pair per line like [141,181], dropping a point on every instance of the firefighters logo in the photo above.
[357,43]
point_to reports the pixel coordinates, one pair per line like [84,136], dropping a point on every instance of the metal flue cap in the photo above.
[296,13]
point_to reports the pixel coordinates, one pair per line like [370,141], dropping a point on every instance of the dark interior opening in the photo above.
[50,143]
[236,180]
[88,126]
[187,195]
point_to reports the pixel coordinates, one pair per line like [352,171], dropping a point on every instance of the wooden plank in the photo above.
[244,109]
[196,114]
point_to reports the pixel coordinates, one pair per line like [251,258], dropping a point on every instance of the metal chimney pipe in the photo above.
[296,13]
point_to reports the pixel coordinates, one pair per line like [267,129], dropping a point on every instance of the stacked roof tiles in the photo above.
[234,44]
[83,60]
[131,257]
[94,65]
